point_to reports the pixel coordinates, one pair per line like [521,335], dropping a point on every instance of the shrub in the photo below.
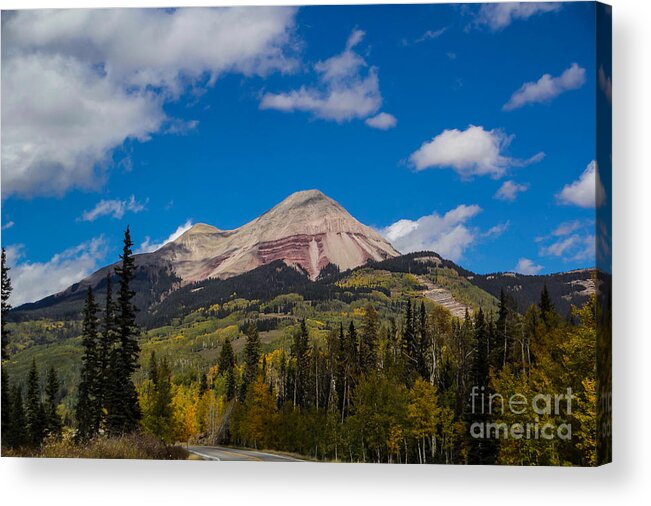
[129,446]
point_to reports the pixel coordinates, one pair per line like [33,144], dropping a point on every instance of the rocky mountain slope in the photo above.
[307,230]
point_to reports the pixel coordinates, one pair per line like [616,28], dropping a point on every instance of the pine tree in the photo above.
[203,384]
[226,364]
[107,343]
[7,411]
[88,408]
[301,353]
[547,312]
[251,358]
[368,342]
[409,345]
[35,412]
[6,307]
[17,432]
[505,330]
[422,343]
[481,450]
[53,420]
[163,405]
[123,411]
[153,368]
[342,371]
[352,349]
[6,401]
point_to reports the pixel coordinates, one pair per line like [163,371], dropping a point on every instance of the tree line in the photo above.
[392,389]
[107,400]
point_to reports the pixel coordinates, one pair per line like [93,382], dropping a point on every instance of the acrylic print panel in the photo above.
[370,233]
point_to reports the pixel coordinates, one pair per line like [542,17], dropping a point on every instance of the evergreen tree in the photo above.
[546,306]
[6,307]
[35,412]
[203,384]
[163,413]
[6,402]
[226,366]
[342,371]
[481,450]
[409,345]
[88,408]
[54,423]
[368,341]
[251,358]
[505,330]
[153,368]
[301,354]
[107,343]
[7,408]
[123,411]
[156,401]
[422,343]
[352,349]
[16,435]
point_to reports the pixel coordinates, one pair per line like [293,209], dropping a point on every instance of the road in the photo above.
[222,453]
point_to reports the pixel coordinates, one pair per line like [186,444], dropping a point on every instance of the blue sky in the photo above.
[465,129]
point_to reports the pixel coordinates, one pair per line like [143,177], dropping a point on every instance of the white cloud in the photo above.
[428,35]
[498,16]
[8,225]
[572,241]
[60,122]
[448,235]
[113,208]
[347,88]
[587,191]
[560,247]
[567,228]
[587,249]
[547,88]
[147,246]
[471,152]
[78,83]
[382,121]
[509,190]
[573,247]
[527,266]
[496,230]
[431,34]
[34,280]
[605,84]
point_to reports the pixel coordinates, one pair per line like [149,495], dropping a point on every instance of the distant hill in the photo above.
[566,288]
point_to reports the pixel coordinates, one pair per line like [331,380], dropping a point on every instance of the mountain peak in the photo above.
[202,228]
[304,198]
[307,229]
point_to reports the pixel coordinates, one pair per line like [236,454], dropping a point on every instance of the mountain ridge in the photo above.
[308,232]
[307,229]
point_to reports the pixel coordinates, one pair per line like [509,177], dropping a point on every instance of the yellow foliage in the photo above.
[185,402]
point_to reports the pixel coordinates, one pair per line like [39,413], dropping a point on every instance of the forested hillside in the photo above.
[354,366]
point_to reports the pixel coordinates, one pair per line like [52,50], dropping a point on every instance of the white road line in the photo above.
[290,459]
[204,455]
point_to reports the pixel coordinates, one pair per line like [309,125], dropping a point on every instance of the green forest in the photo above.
[369,370]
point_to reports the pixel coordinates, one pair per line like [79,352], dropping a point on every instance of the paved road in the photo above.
[231,454]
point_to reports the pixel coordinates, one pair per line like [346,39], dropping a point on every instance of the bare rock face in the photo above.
[307,229]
